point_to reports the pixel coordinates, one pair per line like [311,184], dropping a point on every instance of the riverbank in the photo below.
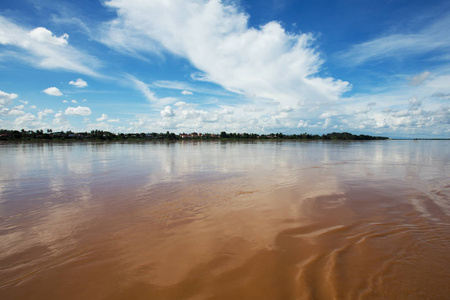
[99,135]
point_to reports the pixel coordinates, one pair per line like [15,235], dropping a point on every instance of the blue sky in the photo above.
[371,67]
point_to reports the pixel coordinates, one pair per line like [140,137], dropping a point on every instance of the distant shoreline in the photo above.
[99,135]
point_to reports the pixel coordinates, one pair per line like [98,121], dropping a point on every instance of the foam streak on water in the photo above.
[266,220]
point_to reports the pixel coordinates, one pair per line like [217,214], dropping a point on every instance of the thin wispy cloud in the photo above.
[148,94]
[419,79]
[189,86]
[432,38]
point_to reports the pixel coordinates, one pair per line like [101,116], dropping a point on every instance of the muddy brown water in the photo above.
[265,220]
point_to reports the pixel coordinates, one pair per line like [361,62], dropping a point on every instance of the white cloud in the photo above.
[176,85]
[167,112]
[6,99]
[395,116]
[149,95]
[143,88]
[65,101]
[104,117]
[185,93]
[27,121]
[185,117]
[180,103]
[16,112]
[398,45]
[74,101]
[441,95]
[23,101]
[60,120]
[327,114]
[53,91]
[262,63]
[44,35]
[302,123]
[414,103]
[285,109]
[42,49]
[419,79]
[45,112]
[327,123]
[78,111]
[79,83]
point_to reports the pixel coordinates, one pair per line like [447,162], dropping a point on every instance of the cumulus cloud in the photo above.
[42,114]
[394,115]
[185,117]
[180,103]
[327,123]
[16,112]
[44,35]
[413,120]
[419,79]
[74,101]
[302,123]
[79,83]
[327,114]
[262,63]
[104,117]
[4,111]
[42,49]
[52,91]
[185,93]
[78,111]
[414,103]
[6,99]
[60,120]
[167,112]
[25,121]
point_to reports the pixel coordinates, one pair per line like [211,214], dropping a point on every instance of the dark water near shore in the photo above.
[264,220]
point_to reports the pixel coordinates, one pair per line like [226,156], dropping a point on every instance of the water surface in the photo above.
[262,220]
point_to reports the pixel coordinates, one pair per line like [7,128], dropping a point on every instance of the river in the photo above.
[225,220]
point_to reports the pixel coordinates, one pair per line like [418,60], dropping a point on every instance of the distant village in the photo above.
[100,135]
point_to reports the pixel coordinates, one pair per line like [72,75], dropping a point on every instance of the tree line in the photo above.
[100,135]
